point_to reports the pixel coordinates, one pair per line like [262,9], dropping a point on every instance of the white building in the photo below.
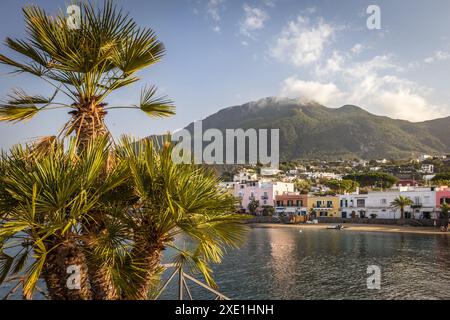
[244,176]
[427,168]
[379,204]
[269,171]
[424,157]
[264,192]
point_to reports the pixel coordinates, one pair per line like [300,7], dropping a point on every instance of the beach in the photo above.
[358,227]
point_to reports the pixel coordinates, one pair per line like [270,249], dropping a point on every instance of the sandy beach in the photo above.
[358,227]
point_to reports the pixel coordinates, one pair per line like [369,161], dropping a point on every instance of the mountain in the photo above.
[311,130]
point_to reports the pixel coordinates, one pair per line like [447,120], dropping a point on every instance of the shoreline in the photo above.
[357,227]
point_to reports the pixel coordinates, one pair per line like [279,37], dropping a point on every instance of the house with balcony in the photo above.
[324,206]
[352,205]
[264,192]
[291,203]
[379,204]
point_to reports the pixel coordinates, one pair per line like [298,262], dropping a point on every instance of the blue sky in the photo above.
[228,52]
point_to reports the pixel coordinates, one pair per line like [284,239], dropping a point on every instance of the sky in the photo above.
[222,53]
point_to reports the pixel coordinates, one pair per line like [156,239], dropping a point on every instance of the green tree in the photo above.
[372,179]
[443,176]
[303,186]
[253,206]
[400,203]
[445,208]
[51,207]
[84,66]
[342,186]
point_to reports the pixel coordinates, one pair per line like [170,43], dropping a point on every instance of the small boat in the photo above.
[336,227]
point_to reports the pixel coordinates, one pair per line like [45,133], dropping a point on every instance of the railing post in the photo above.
[180,284]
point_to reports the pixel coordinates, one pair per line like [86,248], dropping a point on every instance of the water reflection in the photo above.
[283,263]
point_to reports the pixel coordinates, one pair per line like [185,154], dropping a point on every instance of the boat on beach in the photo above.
[336,227]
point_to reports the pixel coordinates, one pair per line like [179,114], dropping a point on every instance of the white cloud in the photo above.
[270,3]
[323,93]
[357,48]
[333,64]
[438,56]
[372,85]
[214,8]
[369,84]
[216,29]
[301,43]
[254,19]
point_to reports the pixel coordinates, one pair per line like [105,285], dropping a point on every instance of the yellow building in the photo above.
[324,206]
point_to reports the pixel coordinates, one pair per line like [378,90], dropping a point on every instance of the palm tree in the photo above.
[445,208]
[52,207]
[172,200]
[400,203]
[84,66]
[43,202]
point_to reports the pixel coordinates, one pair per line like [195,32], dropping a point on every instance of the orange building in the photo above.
[291,199]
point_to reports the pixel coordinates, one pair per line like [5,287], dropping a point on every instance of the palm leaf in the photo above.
[155,106]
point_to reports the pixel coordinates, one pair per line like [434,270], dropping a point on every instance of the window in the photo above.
[318,204]
[383,201]
[289,203]
[329,204]
[299,203]
[360,203]
[279,203]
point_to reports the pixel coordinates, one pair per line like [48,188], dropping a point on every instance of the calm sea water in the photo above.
[283,263]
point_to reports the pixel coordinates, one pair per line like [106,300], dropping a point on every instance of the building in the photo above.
[264,192]
[244,176]
[427,168]
[442,196]
[352,205]
[379,204]
[324,206]
[291,203]
[424,157]
[269,171]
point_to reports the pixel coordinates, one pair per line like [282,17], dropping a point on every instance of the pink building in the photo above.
[442,195]
[264,192]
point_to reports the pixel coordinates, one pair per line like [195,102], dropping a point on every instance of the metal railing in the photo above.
[182,284]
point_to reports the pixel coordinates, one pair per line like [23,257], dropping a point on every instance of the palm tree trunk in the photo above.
[88,123]
[102,285]
[149,255]
[56,276]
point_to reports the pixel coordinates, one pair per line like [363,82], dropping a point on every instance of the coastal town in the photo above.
[412,193]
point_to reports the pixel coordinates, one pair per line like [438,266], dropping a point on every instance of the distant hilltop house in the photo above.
[427,168]
[269,171]
[245,176]
[424,157]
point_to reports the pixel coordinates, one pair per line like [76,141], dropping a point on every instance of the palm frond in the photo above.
[155,106]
